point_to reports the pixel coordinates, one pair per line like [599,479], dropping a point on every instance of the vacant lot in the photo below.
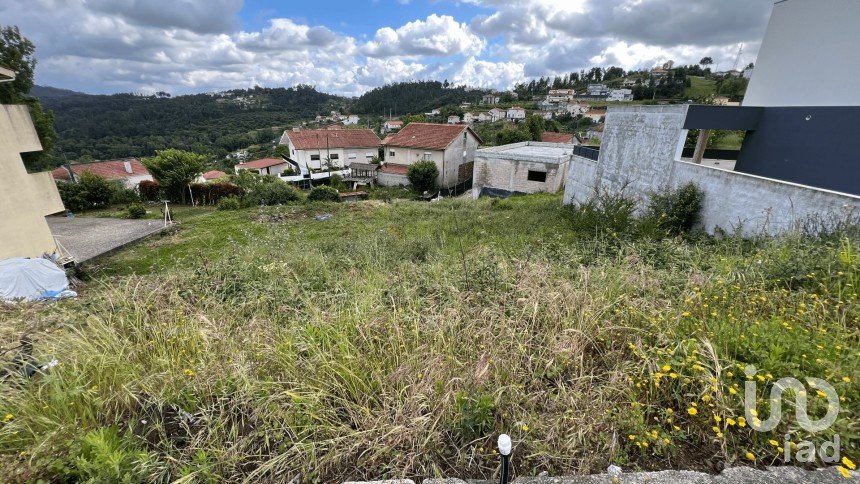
[400,339]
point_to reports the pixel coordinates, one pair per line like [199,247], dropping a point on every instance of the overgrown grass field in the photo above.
[399,339]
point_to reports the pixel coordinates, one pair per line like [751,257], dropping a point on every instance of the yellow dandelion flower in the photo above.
[731,421]
[733,391]
[667,368]
[631,437]
[845,472]
[742,422]
[189,372]
[525,428]
[754,412]
[846,379]
[750,456]
[8,417]
[692,411]
[773,443]
[848,463]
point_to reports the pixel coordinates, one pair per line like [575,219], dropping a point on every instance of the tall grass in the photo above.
[391,341]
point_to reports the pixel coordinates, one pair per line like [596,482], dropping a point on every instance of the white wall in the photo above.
[640,152]
[809,56]
[343,156]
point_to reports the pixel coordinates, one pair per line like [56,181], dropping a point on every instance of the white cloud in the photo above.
[435,36]
[185,46]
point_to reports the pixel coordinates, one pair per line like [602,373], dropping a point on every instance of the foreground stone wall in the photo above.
[733,475]
[640,151]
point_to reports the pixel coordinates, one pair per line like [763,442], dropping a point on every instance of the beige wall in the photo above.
[448,161]
[25,198]
[512,175]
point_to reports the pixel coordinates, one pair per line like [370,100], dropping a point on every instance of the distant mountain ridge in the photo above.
[105,126]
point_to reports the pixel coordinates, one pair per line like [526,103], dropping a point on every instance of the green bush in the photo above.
[123,195]
[423,175]
[324,194]
[90,192]
[273,193]
[606,213]
[676,211]
[135,210]
[229,203]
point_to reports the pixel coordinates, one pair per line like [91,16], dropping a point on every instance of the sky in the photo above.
[348,47]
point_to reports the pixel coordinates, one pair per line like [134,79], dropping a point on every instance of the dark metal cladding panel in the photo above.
[722,117]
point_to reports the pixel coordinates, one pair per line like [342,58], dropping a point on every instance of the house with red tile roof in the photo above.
[211,175]
[320,148]
[266,166]
[129,171]
[451,146]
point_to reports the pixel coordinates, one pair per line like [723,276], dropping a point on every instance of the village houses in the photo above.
[516,113]
[497,114]
[490,99]
[316,149]
[560,95]
[391,125]
[451,147]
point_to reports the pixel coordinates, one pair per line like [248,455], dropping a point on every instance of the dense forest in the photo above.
[118,125]
[414,97]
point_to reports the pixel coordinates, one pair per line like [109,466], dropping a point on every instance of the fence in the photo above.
[587,152]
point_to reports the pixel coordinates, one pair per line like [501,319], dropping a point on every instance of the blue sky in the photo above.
[348,47]
[357,18]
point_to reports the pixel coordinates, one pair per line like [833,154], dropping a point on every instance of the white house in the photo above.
[391,125]
[577,108]
[491,99]
[352,119]
[453,119]
[315,149]
[516,113]
[620,95]
[434,112]
[470,117]
[129,171]
[483,117]
[597,90]
[451,147]
[497,114]
[545,114]
[266,166]
[560,95]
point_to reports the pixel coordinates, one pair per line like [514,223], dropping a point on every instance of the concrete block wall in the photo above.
[391,180]
[640,153]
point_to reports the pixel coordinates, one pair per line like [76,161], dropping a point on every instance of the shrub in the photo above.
[676,211]
[211,193]
[606,213]
[273,193]
[123,195]
[229,203]
[423,175]
[174,170]
[149,190]
[324,194]
[90,192]
[135,210]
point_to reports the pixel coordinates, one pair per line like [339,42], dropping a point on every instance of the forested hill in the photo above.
[120,125]
[413,98]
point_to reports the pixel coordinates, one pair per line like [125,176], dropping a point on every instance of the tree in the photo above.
[174,170]
[536,126]
[706,61]
[422,175]
[16,53]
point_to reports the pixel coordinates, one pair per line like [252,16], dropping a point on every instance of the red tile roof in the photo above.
[111,170]
[394,169]
[264,163]
[550,137]
[394,123]
[312,139]
[428,136]
[213,175]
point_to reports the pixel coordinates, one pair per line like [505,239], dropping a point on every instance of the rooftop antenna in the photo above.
[738,58]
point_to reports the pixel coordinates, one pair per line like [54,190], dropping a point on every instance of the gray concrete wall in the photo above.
[640,152]
[391,180]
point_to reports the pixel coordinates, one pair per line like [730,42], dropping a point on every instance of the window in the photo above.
[335,156]
[315,157]
[391,153]
[537,176]
[428,156]
[369,155]
[352,156]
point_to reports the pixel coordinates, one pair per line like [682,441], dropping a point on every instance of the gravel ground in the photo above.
[86,237]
